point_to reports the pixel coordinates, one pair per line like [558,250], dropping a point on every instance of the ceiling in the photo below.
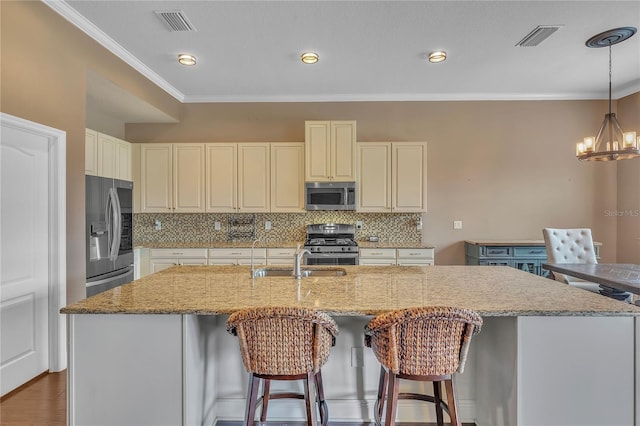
[249,51]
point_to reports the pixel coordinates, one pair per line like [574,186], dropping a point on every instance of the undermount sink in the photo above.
[285,272]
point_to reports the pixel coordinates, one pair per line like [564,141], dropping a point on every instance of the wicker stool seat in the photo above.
[284,343]
[423,344]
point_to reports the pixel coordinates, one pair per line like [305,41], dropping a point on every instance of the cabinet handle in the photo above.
[537,251]
[236,253]
[414,254]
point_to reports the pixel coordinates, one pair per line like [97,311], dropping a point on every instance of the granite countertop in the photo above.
[365,290]
[387,244]
[219,244]
[511,242]
[267,244]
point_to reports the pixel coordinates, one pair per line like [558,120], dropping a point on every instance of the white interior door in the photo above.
[24,254]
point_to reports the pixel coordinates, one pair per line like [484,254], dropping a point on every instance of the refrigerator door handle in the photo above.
[113,223]
[111,277]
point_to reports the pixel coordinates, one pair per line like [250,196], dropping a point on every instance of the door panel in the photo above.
[24,252]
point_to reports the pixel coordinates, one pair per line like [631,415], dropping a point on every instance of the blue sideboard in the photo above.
[527,255]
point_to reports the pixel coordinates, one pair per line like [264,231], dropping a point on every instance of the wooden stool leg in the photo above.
[252,394]
[265,399]
[453,410]
[392,400]
[382,390]
[437,393]
[322,404]
[310,398]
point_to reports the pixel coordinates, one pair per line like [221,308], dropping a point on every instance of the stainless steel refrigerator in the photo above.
[109,233]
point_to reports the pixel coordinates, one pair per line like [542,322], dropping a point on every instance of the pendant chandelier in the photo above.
[611,143]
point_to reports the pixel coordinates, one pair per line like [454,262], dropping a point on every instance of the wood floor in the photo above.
[43,402]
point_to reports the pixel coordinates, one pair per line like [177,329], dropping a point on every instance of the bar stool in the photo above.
[284,343]
[422,344]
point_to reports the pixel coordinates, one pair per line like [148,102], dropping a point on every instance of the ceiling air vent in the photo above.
[538,35]
[175,20]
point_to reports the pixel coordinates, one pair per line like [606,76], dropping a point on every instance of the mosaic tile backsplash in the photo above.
[200,227]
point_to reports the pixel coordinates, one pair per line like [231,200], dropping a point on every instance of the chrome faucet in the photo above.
[297,260]
[253,246]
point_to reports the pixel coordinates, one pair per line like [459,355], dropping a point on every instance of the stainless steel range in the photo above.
[331,244]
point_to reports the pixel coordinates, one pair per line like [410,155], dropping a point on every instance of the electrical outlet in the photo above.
[419,224]
[216,226]
[359,225]
[158,225]
[267,225]
[457,224]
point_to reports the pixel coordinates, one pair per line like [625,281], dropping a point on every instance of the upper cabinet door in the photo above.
[156,178]
[188,178]
[343,151]
[317,151]
[222,177]
[330,151]
[90,152]
[287,177]
[254,177]
[123,160]
[374,177]
[106,156]
[409,173]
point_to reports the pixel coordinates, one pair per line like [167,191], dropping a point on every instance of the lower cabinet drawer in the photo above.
[498,251]
[530,252]
[378,253]
[422,253]
[236,252]
[176,252]
[377,262]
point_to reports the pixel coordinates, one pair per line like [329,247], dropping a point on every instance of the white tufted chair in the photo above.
[571,246]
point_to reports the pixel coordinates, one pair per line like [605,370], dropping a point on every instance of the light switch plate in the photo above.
[457,224]
[359,224]
[216,226]
[267,225]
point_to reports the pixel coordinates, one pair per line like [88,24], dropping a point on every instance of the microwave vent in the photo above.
[538,35]
[175,20]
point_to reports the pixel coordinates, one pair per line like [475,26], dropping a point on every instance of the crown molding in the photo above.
[71,15]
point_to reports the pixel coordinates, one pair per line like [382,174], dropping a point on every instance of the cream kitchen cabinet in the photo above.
[330,151]
[188,173]
[160,259]
[107,156]
[238,177]
[282,256]
[90,152]
[172,178]
[415,256]
[237,256]
[156,181]
[386,256]
[377,256]
[287,177]
[392,176]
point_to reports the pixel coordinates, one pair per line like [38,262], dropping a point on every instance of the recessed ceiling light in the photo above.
[186,59]
[309,57]
[438,56]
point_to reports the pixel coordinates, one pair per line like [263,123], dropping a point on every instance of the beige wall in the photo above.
[44,62]
[506,169]
[628,208]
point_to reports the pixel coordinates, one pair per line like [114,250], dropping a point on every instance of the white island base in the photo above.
[127,369]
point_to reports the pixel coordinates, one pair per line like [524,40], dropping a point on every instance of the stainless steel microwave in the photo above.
[330,195]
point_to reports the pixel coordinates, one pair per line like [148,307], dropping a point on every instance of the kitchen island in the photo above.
[155,351]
